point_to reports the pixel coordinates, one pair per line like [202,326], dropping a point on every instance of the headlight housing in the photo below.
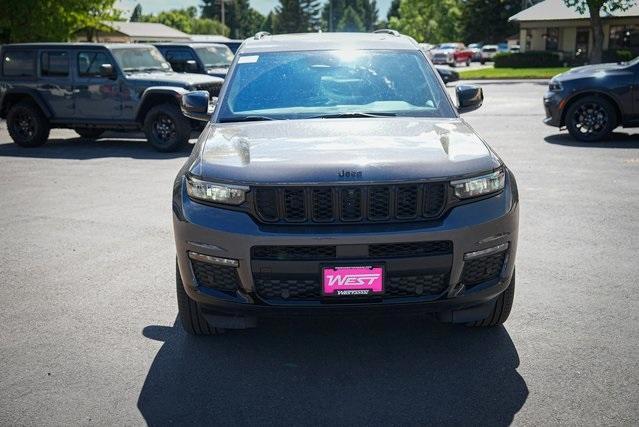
[480,185]
[215,192]
[555,86]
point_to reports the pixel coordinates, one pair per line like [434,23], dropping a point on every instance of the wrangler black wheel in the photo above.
[166,128]
[27,125]
[591,118]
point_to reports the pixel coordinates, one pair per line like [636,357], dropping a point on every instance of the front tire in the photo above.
[468,62]
[166,128]
[502,308]
[189,311]
[27,125]
[591,119]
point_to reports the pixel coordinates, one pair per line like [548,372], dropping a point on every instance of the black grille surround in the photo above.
[350,204]
[218,277]
[375,250]
[483,269]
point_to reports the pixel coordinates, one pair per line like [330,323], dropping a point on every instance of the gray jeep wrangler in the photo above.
[92,88]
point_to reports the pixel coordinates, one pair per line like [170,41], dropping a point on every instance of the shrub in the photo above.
[533,59]
[617,55]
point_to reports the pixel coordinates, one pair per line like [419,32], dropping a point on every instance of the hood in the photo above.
[173,79]
[597,70]
[341,150]
[217,72]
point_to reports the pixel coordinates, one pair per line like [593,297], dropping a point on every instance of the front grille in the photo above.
[416,285]
[350,204]
[409,250]
[294,252]
[378,251]
[218,277]
[483,269]
[308,288]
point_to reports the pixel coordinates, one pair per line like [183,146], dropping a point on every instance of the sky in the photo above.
[263,6]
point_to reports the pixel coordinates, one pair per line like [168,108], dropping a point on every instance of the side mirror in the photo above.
[469,98]
[196,105]
[191,65]
[107,71]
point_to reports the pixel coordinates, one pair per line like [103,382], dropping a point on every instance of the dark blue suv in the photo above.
[92,88]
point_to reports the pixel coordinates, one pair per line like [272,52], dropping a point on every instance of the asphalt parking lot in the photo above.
[88,329]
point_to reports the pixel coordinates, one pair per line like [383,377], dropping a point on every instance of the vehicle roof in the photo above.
[79,45]
[193,45]
[327,41]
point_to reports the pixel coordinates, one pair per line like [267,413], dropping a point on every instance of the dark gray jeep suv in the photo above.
[336,177]
[204,58]
[92,88]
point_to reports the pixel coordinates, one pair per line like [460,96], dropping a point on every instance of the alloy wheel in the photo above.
[25,125]
[591,119]
[164,129]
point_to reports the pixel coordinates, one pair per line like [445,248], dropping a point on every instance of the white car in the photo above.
[488,52]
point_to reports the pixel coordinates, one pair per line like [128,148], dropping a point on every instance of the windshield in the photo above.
[448,46]
[362,83]
[215,56]
[140,59]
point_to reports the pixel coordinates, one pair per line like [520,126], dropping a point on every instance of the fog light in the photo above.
[484,252]
[213,259]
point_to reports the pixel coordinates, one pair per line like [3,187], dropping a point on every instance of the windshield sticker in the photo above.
[249,59]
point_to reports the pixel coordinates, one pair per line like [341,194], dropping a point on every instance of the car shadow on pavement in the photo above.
[85,149]
[616,140]
[349,372]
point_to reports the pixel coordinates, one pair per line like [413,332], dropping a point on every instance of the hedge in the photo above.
[532,59]
[621,55]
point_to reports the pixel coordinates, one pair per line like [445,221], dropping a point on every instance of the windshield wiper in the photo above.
[142,69]
[218,65]
[247,119]
[352,115]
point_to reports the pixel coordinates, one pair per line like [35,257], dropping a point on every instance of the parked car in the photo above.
[452,54]
[350,186]
[230,43]
[476,49]
[592,101]
[445,73]
[488,52]
[93,88]
[213,59]
[514,48]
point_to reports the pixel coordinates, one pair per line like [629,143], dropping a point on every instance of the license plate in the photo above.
[352,281]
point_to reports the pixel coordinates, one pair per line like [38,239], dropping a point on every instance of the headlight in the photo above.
[480,185]
[214,192]
[555,86]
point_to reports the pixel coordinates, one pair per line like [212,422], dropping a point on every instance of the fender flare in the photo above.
[33,94]
[173,91]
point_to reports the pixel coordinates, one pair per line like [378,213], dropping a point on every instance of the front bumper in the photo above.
[232,235]
[553,106]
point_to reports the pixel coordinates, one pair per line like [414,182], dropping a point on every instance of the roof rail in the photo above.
[261,34]
[387,31]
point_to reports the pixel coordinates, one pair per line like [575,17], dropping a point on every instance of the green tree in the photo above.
[487,20]
[186,20]
[394,10]
[435,21]
[350,21]
[270,23]
[311,14]
[290,17]
[334,10]
[136,16]
[37,20]
[240,17]
[594,8]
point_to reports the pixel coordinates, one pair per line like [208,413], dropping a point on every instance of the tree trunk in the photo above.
[597,33]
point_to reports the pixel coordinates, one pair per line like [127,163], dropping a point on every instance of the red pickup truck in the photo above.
[451,54]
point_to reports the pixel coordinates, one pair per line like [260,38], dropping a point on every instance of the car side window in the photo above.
[178,58]
[19,63]
[89,63]
[54,64]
